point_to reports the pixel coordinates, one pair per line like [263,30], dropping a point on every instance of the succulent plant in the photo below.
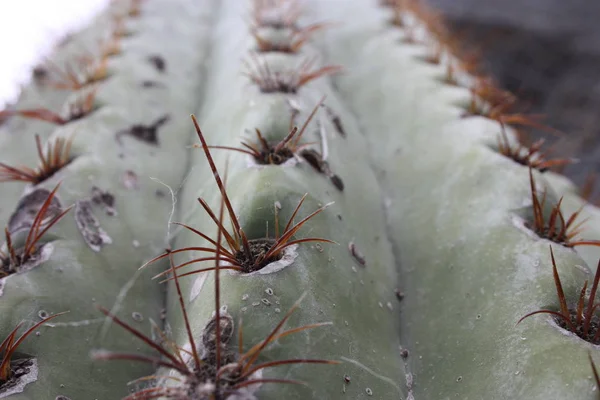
[351,212]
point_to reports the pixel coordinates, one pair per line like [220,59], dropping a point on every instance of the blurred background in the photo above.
[28,31]
[546,51]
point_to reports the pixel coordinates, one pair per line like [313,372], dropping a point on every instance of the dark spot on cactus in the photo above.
[357,254]
[160,193]
[337,182]
[158,62]
[347,379]
[556,227]
[399,294]
[335,120]
[580,318]
[151,84]
[39,73]
[130,180]
[404,353]
[287,81]
[104,199]
[145,133]
[56,156]
[315,159]
[89,227]
[61,397]
[20,259]
[339,217]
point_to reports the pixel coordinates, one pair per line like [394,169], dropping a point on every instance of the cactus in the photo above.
[349,213]
[463,213]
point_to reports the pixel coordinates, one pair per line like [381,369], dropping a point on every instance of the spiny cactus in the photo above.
[359,217]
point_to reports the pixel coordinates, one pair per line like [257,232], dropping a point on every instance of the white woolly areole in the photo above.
[23,381]
[42,256]
[289,255]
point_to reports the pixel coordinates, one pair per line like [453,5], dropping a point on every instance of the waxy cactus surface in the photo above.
[349,213]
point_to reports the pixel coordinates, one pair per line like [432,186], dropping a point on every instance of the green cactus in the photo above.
[460,211]
[347,159]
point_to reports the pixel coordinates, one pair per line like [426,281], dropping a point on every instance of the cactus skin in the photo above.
[423,202]
[77,277]
[469,270]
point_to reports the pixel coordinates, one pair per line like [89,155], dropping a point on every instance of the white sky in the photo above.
[28,28]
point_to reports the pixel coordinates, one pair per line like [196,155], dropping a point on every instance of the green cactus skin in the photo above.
[469,268]
[78,276]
